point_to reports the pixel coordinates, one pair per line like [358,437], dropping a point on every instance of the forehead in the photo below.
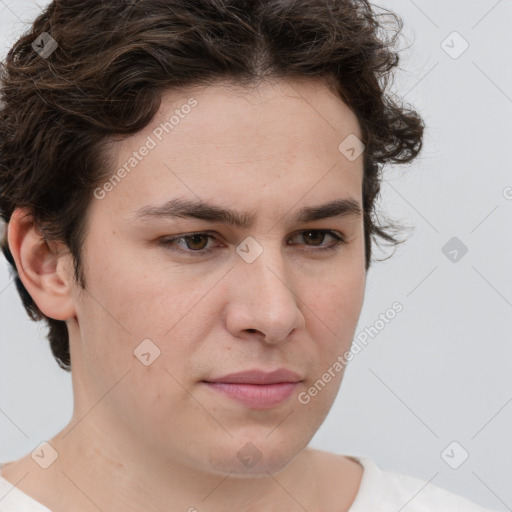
[235,144]
[282,104]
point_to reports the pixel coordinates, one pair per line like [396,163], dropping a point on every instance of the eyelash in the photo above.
[169,243]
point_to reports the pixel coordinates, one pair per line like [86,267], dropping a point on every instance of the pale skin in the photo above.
[156,438]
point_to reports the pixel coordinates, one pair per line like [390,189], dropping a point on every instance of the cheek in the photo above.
[337,300]
[148,397]
[332,316]
[135,297]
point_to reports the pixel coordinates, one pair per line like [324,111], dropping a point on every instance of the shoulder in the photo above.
[383,491]
[12,498]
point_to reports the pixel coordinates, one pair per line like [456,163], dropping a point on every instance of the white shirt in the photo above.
[379,491]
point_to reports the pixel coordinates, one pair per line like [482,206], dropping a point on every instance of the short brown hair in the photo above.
[113,61]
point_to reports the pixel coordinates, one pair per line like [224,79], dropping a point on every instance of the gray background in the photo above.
[439,372]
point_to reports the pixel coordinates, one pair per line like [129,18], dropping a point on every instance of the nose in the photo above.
[263,301]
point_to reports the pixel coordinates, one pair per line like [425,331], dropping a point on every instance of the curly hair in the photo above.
[113,61]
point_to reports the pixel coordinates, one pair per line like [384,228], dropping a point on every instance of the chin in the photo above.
[253,456]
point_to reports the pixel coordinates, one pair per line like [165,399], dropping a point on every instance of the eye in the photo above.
[196,243]
[318,235]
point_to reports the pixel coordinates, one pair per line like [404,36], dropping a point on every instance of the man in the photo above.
[189,190]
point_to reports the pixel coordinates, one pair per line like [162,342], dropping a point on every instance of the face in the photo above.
[174,304]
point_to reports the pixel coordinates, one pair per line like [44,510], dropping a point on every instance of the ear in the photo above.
[43,267]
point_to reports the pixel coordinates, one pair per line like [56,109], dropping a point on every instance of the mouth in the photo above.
[257,389]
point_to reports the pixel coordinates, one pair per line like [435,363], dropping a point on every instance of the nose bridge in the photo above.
[265,300]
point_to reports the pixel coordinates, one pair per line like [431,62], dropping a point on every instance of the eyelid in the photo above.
[339,239]
[336,235]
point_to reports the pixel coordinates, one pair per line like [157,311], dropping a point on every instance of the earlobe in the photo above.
[41,267]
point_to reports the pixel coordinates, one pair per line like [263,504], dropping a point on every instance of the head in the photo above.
[149,106]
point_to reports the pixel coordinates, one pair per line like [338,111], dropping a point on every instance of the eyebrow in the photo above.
[186,208]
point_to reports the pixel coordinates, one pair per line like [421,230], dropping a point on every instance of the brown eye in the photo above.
[195,244]
[198,241]
[316,236]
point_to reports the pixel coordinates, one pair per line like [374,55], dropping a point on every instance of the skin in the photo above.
[156,437]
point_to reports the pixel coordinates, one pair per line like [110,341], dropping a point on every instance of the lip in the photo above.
[259,377]
[257,389]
